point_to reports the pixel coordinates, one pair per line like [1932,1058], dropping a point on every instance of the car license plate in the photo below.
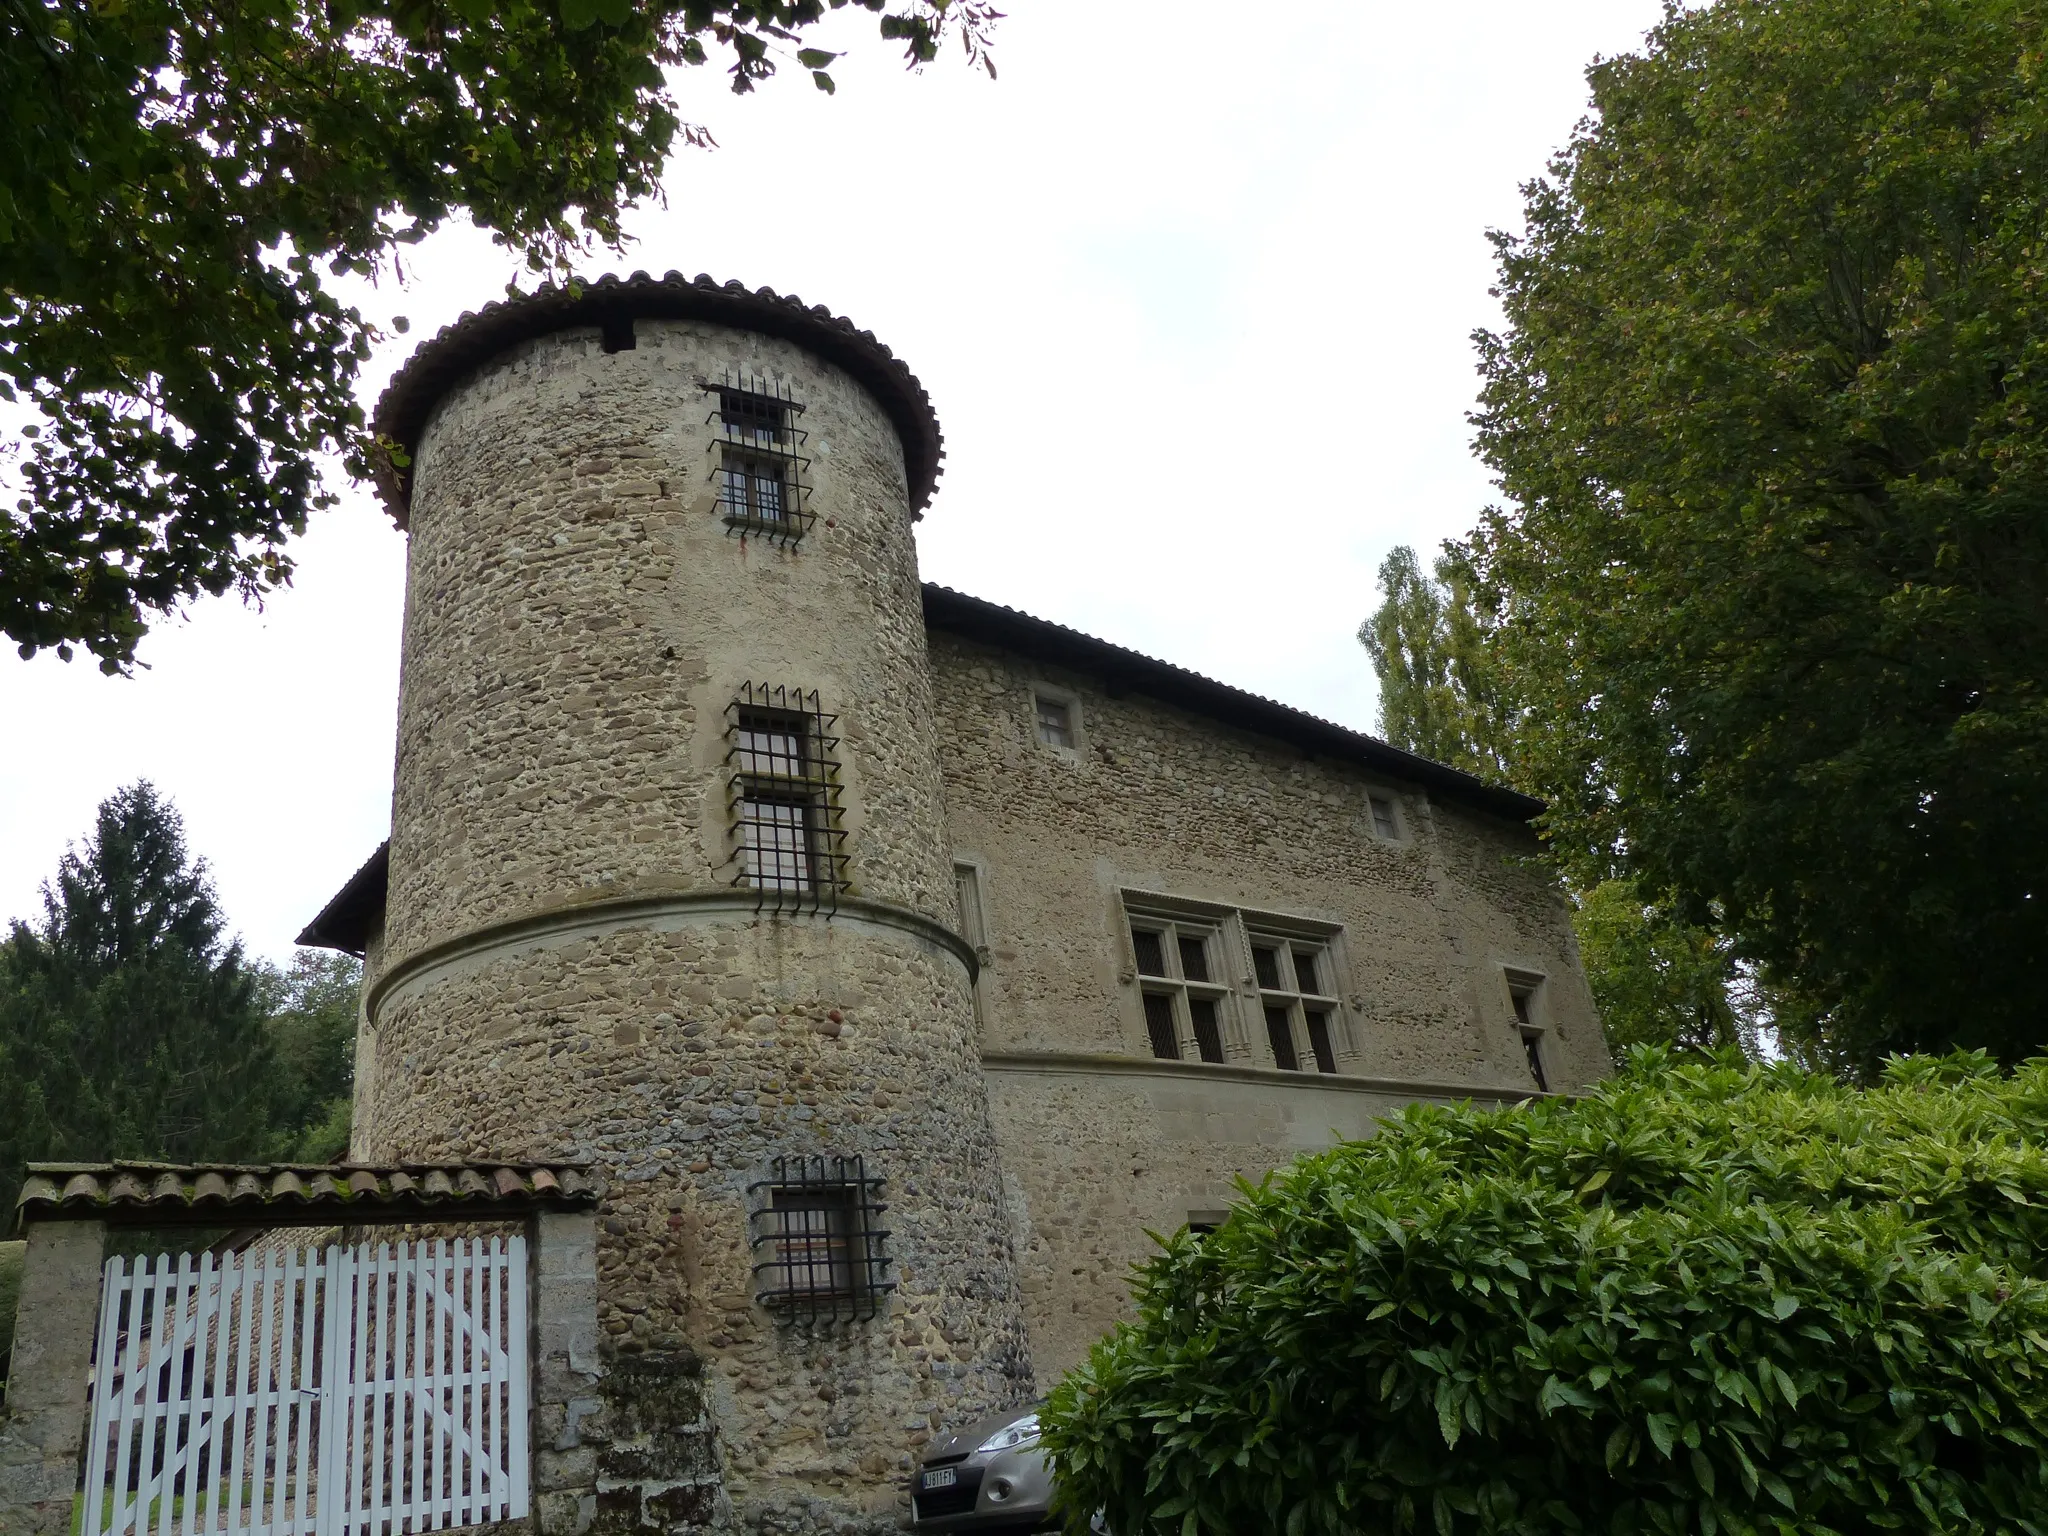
[940,1477]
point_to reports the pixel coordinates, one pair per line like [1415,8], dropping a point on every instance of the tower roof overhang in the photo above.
[441,363]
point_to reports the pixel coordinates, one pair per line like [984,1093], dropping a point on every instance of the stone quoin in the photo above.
[896,961]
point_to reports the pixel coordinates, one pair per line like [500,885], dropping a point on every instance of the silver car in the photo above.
[990,1476]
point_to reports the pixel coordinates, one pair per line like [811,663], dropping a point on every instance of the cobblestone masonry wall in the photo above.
[1156,800]
[578,619]
[565,965]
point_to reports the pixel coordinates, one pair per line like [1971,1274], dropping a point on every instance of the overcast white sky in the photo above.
[1193,301]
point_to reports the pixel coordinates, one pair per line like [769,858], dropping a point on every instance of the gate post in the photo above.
[42,1428]
[566,1372]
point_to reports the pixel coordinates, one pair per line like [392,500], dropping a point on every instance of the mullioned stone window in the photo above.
[789,843]
[760,466]
[1223,984]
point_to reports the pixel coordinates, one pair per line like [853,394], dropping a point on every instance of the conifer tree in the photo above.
[130,1026]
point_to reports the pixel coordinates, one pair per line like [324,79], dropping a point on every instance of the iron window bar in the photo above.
[819,1246]
[785,811]
[760,468]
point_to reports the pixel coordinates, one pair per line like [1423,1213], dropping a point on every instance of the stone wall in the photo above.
[1100,1142]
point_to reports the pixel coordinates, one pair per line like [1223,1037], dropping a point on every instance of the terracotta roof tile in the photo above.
[170,1194]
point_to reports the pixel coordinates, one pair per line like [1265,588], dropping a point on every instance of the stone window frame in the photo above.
[782,1199]
[974,925]
[1173,1001]
[742,448]
[1068,700]
[1528,1007]
[1298,1007]
[1237,925]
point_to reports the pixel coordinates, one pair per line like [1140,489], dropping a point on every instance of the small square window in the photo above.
[818,1247]
[1055,723]
[1383,817]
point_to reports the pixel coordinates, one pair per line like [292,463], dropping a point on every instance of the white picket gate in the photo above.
[364,1391]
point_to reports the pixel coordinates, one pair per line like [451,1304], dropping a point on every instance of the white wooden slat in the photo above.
[242,1430]
[113,1287]
[147,1362]
[439,1508]
[287,1385]
[519,1379]
[221,1307]
[416,1375]
[487,1383]
[309,1401]
[465,1358]
[333,1392]
[374,1463]
[197,1472]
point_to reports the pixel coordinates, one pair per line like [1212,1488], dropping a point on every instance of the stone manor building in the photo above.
[897,961]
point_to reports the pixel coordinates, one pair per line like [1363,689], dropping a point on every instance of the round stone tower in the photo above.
[670,888]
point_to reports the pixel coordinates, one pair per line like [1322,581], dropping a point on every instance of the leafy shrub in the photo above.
[1710,1297]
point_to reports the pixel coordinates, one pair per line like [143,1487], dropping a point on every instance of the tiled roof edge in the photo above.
[439,364]
[265,1194]
[1009,629]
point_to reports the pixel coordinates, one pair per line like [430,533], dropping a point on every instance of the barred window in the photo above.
[760,467]
[818,1240]
[785,796]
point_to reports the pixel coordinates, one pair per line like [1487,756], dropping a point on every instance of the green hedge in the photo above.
[1708,1298]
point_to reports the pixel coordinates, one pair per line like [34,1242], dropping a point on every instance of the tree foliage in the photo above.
[181,178]
[1439,696]
[1658,980]
[1773,575]
[311,1022]
[1713,1298]
[131,1026]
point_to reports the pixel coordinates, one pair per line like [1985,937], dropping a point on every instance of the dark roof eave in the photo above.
[1006,628]
[458,350]
[352,917]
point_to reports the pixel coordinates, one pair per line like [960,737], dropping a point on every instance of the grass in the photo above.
[199,1513]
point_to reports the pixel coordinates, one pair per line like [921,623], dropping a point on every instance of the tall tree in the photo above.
[1439,696]
[129,1025]
[180,178]
[1773,570]
[311,1008]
